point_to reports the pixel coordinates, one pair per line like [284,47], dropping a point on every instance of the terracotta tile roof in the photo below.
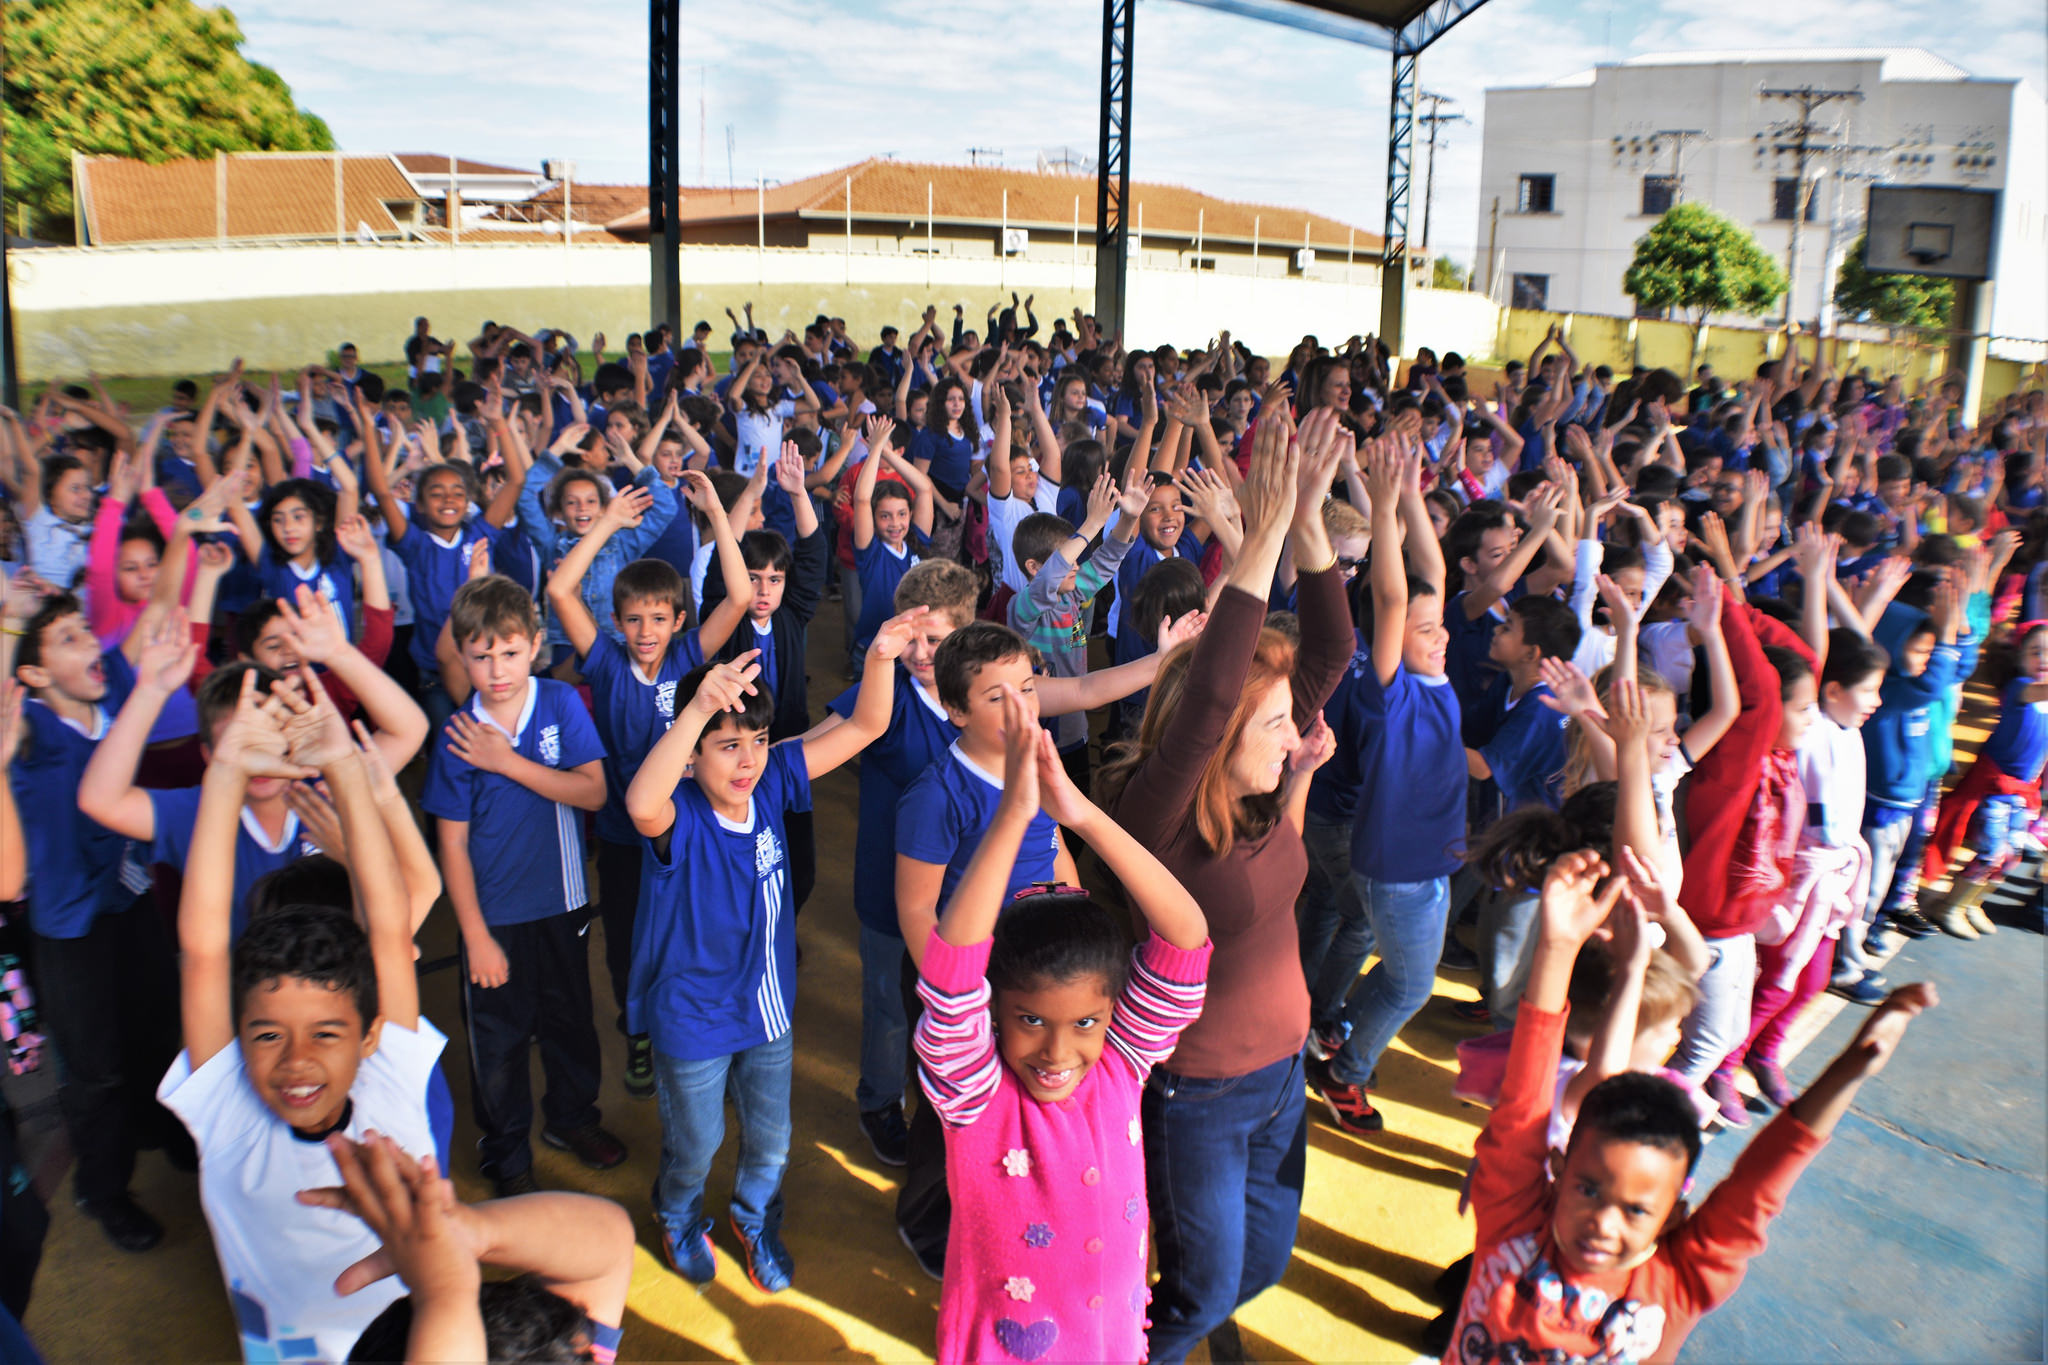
[591,203]
[269,195]
[428,163]
[896,189]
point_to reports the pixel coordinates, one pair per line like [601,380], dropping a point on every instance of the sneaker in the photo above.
[1979,921]
[1771,1082]
[127,1224]
[1472,1011]
[1326,1041]
[640,1066]
[507,1187]
[695,1260]
[1867,989]
[1734,1111]
[887,1134]
[1457,957]
[1951,920]
[1910,922]
[1878,941]
[767,1259]
[590,1144]
[1350,1110]
[932,1261]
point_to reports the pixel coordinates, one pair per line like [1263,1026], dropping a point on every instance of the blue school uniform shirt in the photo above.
[951,457]
[1411,771]
[527,850]
[179,718]
[434,570]
[333,580]
[881,569]
[74,860]
[1333,791]
[632,713]
[256,854]
[918,736]
[1899,744]
[714,938]
[676,546]
[944,813]
[2019,744]
[1474,676]
[1527,752]
[1142,555]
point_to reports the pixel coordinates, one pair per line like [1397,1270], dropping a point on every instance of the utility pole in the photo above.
[977,156]
[1433,120]
[1678,138]
[1804,139]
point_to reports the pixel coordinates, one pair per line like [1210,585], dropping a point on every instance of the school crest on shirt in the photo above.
[767,852]
[551,744]
[665,700]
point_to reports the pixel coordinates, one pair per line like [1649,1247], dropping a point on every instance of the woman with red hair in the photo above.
[1214,786]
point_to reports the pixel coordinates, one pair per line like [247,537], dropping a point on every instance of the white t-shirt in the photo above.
[1004,514]
[279,1257]
[758,434]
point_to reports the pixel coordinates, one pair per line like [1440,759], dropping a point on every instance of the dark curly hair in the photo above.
[319,500]
[318,943]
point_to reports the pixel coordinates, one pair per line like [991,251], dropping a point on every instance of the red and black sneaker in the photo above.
[1350,1110]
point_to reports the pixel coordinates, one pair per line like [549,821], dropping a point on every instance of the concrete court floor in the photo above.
[1379,1220]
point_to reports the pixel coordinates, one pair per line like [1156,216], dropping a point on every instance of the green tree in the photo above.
[1699,262]
[1446,273]
[1891,300]
[152,79]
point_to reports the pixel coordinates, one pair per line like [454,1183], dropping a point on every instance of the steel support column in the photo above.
[1113,166]
[664,232]
[1400,183]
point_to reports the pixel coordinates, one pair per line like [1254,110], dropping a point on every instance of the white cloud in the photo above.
[1229,105]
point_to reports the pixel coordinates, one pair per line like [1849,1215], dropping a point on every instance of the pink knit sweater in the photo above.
[1046,1257]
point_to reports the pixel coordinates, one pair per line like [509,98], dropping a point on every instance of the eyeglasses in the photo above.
[1349,566]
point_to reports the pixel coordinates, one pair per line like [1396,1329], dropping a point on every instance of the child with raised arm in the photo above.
[508,780]
[1041,1100]
[633,698]
[308,1026]
[1603,1261]
[714,950]
[890,530]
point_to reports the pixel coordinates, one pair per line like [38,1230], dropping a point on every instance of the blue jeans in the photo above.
[1407,921]
[1507,949]
[692,1095]
[1224,1161]
[884,1031]
[1335,938]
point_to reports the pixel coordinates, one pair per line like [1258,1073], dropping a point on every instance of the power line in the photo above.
[1804,138]
[1433,120]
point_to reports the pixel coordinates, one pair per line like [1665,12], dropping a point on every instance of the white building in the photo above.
[1573,172]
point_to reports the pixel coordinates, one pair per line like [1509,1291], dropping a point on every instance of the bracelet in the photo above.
[1325,568]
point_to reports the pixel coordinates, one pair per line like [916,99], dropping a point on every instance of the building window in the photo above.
[1201,262]
[1660,192]
[1785,195]
[1538,194]
[1532,291]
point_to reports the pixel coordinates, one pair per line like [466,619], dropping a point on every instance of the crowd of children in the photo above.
[1653,683]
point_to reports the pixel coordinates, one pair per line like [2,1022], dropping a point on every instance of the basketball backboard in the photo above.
[1917,230]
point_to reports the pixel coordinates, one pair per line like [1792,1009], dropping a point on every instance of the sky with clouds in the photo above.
[1225,104]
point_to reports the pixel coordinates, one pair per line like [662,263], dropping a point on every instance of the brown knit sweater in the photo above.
[1257,1008]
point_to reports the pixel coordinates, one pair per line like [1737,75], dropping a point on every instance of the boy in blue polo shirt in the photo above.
[515,769]
[633,699]
[1402,714]
[714,953]
[270,834]
[103,963]
[1525,753]
[890,529]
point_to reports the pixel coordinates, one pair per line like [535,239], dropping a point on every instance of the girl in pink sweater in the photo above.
[1044,1153]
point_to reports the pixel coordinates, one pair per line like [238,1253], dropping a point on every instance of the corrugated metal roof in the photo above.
[270,195]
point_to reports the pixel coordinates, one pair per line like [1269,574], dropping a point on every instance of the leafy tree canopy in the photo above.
[1698,261]
[151,79]
[1891,300]
[1446,273]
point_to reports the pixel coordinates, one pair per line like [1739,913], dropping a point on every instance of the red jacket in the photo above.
[1522,1301]
[1724,786]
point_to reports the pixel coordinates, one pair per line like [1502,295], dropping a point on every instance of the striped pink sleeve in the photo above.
[1161,998]
[955,1044]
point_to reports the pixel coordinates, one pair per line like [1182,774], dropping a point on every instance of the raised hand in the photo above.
[628,508]
[1571,691]
[727,684]
[1268,493]
[1022,738]
[878,432]
[429,1240]
[1175,633]
[313,628]
[253,742]
[1628,714]
[354,537]
[316,734]
[789,471]
[897,633]
[1208,493]
[1318,746]
[1131,500]
[215,559]
[1058,797]
[1103,498]
[1612,597]
[318,818]
[168,652]
[1704,615]
[1574,905]
[1543,507]
[1879,1037]
[1815,550]
[11,728]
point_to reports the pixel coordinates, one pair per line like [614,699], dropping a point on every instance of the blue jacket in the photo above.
[1899,743]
